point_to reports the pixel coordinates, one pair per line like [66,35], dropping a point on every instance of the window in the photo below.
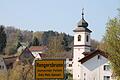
[106,77]
[70,59]
[79,37]
[99,57]
[87,38]
[84,76]
[106,67]
[70,65]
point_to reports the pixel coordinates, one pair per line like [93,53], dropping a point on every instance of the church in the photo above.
[87,64]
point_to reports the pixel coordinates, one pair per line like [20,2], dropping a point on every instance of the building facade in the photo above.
[95,66]
[81,44]
[88,65]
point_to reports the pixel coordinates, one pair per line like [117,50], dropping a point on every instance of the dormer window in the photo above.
[87,38]
[79,37]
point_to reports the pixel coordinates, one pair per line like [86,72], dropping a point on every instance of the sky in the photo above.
[58,15]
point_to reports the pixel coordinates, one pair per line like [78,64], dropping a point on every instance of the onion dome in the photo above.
[82,22]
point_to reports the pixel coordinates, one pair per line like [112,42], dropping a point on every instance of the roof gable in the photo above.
[92,54]
[26,55]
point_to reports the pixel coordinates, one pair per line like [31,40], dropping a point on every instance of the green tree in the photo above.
[3,38]
[46,35]
[112,45]
[20,36]
[65,42]
[35,41]
[39,36]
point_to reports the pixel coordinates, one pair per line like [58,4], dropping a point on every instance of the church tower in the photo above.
[81,44]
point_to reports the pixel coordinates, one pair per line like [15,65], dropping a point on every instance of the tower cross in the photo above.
[82,13]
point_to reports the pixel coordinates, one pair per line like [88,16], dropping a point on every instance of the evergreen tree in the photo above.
[20,37]
[3,38]
[47,35]
[65,42]
[35,41]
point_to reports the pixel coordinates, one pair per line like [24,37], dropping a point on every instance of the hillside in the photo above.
[55,41]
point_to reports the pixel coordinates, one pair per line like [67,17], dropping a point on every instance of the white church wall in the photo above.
[93,69]
[76,71]
[83,38]
[79,47]
[81,44]
[89,38]
[78,53]
[76,65]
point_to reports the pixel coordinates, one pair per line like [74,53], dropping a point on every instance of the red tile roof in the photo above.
[38,48]
[92,54]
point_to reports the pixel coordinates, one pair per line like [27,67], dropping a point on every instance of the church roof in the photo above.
[82,25]
[82,29]
[82,22]
[92,54]
[86,53]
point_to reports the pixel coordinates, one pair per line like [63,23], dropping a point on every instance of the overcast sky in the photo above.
[58,15]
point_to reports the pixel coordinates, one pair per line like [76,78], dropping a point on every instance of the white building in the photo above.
[88,65]
[3,67]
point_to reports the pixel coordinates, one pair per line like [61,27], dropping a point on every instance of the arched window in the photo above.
[79,37]
[87,38]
